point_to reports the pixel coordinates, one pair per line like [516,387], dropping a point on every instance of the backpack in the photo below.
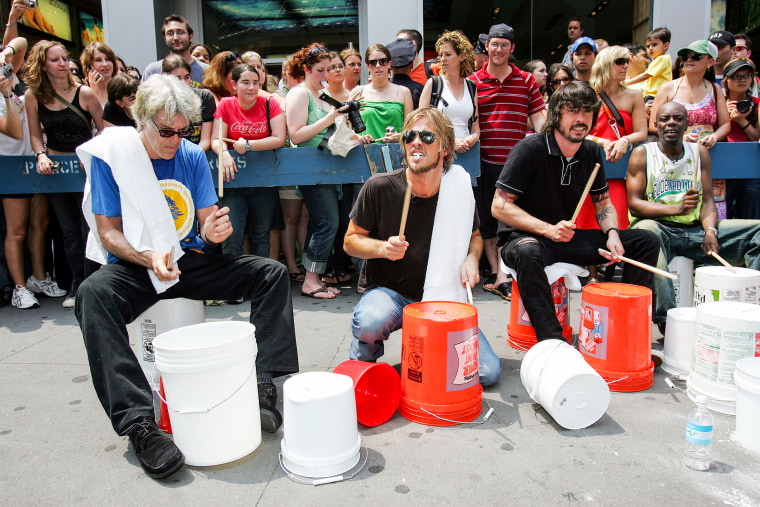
[435,96]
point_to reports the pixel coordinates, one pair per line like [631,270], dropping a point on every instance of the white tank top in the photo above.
[458,111]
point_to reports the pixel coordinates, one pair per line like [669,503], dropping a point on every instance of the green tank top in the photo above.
[668,180]
[379,115]
[315,114]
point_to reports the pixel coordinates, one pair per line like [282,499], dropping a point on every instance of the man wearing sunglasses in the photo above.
[743,49]
[536,197]
[435,256]
[151,205]
[178,35]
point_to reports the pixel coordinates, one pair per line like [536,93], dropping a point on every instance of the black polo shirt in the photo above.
[547,184]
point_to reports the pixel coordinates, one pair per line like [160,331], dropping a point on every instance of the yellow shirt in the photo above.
[660,71]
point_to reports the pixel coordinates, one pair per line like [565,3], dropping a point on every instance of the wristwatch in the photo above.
[247,146]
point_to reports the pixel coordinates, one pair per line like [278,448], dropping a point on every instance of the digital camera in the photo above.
[6,70]
[353,111]
[32,4]
[745,105]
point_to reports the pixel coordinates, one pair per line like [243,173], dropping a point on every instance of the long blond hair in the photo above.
[601,71]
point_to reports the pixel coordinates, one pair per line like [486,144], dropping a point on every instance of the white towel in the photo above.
[570,272]
[450,241]
[146,219]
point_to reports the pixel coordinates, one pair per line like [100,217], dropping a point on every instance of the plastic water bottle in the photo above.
[699,435]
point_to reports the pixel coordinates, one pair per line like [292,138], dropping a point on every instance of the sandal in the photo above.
[504,290]
[322,289]
[329,279]
[491,280]
[297,277]
[343,277]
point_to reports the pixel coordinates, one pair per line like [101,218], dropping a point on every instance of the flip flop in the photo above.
[313,294]
[329,279]
[490,281]
[504,290]
[297,277]
[343,277]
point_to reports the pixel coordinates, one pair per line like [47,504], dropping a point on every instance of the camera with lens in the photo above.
[353,111]
[32,4]
[745,105]
[6,70]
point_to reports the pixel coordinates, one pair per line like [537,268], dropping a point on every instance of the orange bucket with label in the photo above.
[439,363]
[520,332]
[615,334]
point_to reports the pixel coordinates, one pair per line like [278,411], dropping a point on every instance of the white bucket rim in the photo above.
[218,335]
[747,375]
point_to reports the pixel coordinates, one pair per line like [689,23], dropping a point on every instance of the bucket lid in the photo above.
[733,310]
[204,337]
[749,366]
[723,272]
[440,311]
[616,289]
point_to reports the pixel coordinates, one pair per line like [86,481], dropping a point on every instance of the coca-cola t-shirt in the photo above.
[246,123]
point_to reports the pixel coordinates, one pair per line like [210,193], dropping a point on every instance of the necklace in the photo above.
[380,89]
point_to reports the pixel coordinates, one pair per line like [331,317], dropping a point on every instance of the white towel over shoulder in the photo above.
[146,219]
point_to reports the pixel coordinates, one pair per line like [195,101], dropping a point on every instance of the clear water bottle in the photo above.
[699,436]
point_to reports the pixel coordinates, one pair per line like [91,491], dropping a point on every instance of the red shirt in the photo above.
[504,108]
[246,123]
[737,134]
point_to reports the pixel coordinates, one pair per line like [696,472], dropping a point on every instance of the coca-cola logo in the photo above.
[249,129]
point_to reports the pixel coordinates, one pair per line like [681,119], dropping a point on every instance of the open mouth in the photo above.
[416,155]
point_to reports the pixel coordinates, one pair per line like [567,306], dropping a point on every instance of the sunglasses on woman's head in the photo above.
[231,57]
[379,62]
[408,136]
[693,56]
[317,51]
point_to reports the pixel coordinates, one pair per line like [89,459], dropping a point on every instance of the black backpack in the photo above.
[435,96]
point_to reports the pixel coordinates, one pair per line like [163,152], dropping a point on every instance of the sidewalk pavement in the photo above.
[57,446]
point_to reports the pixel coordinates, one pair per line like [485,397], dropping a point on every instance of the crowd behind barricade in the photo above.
[531,124]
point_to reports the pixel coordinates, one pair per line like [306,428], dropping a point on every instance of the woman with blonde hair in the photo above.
[99,64]
[453,94]
[353,62]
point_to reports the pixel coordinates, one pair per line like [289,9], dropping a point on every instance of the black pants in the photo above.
[68,211]
[117,294]
[529,255]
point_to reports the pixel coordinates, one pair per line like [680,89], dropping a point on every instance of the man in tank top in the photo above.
[662,198]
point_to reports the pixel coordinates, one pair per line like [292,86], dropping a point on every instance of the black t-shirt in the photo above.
[378,210]
[548,185]
[117,116]
[208,108]
[414,87]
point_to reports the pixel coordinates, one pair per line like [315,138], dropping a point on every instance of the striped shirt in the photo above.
[504,108]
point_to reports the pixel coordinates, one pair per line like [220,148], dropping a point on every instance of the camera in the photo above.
[56,166]
[353,111]
[6,70]
[745,105]
[32,4]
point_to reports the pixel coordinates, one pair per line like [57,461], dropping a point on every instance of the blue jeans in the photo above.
[322,201]
[254,206]
[379,312]
[743,198]
[739,242]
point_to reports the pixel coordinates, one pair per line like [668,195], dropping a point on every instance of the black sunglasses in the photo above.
[561,80]
[316,52]
[621,61]
[693,56]
[184,133]
[426,136]
[379,62]
[231,57]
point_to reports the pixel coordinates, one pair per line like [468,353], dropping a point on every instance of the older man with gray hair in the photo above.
[151,205]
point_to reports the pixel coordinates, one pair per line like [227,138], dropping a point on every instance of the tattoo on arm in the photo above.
[506,197]
[600,197]
[604,213]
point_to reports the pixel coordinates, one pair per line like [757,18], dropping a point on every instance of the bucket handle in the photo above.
[198,410]
[488,414]
[326,480]
[618,380]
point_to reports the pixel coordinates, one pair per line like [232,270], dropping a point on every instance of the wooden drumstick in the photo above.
[585,192]
[469,292]
[647,267]
[722,261]
[405,210]
[221,161]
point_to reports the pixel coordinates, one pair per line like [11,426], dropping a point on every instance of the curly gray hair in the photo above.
[166,93]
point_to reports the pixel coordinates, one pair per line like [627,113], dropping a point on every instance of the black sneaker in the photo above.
[156,452]
[661,327]
[271,419]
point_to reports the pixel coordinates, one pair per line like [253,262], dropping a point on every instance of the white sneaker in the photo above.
[23,298]
[46,286]
[69,302]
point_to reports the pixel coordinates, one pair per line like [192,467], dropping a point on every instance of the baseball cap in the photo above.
[737,64]
[402,52]
[501,31]
[480,45]
[584,40]
[722,38]
[700,46]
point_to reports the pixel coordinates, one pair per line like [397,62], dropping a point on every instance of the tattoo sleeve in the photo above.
[600,197]
[605,212]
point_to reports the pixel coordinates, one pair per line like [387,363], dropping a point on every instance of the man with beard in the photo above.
[536,195]
[178,35]
[437,254]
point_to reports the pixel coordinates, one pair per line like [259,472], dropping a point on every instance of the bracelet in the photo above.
[8,25]
[611,229]
[747,125]
[208,241]
[711,229]
[39,153]
[10,47]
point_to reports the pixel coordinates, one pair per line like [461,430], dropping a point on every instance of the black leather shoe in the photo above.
[271,419]
[156,452]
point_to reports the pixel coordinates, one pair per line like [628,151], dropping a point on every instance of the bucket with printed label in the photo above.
[725,333]
[718,283]
[520,332]
[440,385]
[683,285]
[747,379]
[615,334]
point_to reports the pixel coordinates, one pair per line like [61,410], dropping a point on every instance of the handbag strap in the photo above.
[612,113]
[73,108]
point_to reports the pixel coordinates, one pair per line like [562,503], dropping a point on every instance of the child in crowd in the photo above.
[661,69]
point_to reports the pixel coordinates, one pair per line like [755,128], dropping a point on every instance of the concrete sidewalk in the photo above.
[57,446]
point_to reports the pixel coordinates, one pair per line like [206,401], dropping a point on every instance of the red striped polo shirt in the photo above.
[503,109]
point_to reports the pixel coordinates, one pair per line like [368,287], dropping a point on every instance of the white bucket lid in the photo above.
[729,310]
[723,272]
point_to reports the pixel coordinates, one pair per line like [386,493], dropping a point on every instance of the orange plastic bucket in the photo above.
[520,332]
[377,387]
[439,363]
[615,334]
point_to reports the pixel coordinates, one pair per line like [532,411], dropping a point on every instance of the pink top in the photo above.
[702,113]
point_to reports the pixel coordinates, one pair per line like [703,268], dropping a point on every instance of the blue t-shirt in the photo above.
[186,183]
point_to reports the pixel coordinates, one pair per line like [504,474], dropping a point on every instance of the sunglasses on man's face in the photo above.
[427,137]
[693,56]
[621,61]
[379,62]
[739,48]
[184,133]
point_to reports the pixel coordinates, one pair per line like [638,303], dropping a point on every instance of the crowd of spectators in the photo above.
[53,102]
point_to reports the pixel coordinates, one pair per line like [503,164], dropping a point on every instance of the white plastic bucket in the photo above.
[572,392]
[747,378]
[320,432]
[679,339]
[718,283]
[683,268]
[163,316]
[209,374]
[725,333]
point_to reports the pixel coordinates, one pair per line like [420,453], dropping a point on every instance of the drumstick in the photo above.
[226,140]
[585,192]
[469,292]
[405,210]
[221,161]
[641,265]
[722,261]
